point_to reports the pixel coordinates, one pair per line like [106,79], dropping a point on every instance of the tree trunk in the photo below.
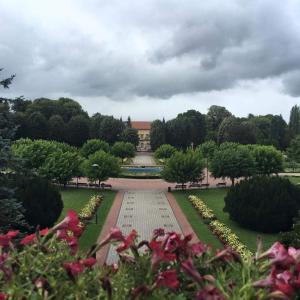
[232,181]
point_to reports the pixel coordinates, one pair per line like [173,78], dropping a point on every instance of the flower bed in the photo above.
[225,234]
[88,211]
[205,212]
[229,238]
[47,265]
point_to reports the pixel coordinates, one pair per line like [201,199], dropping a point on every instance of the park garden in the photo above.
[248,227]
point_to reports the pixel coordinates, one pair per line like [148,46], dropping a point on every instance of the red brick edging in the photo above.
[111,221]
[181,218]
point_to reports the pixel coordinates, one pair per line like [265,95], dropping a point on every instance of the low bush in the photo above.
[266,204]
[41,200]
[47,265]
[292,238]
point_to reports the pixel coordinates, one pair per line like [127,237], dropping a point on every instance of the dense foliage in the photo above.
[47,265]
[164,151]
[233,161]
[266,204]
[100,166]
[123,150]
[11,211]
[41,200]
[183,167]
[292,238]
[92,146]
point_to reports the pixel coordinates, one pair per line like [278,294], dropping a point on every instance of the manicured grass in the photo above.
[293,179]
[201,229]
[75,199]
[214,198]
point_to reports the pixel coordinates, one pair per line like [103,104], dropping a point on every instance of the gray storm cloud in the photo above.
[156,49]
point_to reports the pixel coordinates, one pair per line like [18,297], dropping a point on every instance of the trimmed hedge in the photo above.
[266,204]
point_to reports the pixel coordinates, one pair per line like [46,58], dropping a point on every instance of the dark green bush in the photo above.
[266,204]
[292,238]
[41,200]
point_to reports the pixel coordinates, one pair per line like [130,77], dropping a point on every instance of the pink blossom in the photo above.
[5,239]
[88,262]
[73,268]
[209,292]
[188,268]
[168,279]
[127,242]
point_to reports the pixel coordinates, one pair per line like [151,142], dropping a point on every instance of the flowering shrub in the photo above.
[88,211]
[226,236]
[202,208]
[46,265]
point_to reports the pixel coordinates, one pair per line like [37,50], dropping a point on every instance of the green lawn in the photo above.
[214,198]
[293,179]
[201,229]
[75,199]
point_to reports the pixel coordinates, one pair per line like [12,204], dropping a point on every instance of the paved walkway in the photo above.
[143,159]
[143,211]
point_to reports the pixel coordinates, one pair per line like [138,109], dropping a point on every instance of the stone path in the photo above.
[143,211]
[143,159]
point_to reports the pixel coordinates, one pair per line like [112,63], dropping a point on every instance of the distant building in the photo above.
[143,129]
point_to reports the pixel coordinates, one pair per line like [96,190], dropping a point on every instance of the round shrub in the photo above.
[41,200]
[164,151]
[266,204]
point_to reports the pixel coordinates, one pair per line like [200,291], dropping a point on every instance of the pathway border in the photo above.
[111,221]
[181,218]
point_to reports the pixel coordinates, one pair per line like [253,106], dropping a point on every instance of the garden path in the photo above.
[143,159]
[143,211]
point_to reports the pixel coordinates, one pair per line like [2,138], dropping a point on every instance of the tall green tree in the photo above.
[57,128]
[268,160]
[100,166]
[157,134]
[130,135]
[215,116]
[233,162]
[11,210]
[294,123]
[123,150]
[183,167]
[61,166]
[78,130]
[110,129]
[293,151]
[92,146]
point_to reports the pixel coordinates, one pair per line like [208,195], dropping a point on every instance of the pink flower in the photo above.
[160,255]
[70,223]
[3,296]
[28,239]
[209,292]
[199,248]
[88,262]
[5,239]
[44,232]
[73,268]
[115,234]
[279,255]
[173,242]
[168,279]
[128,242]
[188,268]
[73,244]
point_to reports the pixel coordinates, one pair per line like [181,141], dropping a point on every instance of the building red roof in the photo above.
[142,125]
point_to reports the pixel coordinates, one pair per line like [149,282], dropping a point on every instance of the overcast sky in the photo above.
[156,58]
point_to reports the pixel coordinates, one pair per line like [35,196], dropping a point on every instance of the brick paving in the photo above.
[143,211]
[143,159]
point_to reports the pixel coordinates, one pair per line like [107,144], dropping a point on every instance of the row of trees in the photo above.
[64,120]
[193,128]
[231,160]
[61,162]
